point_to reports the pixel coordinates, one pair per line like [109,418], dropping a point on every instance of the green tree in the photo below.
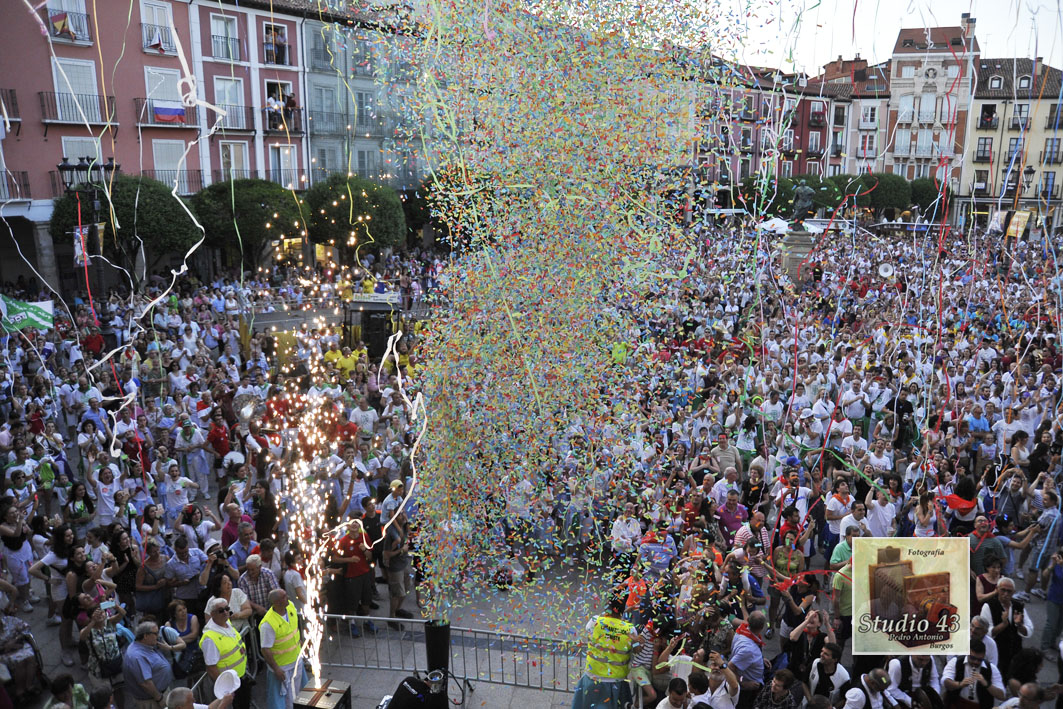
[135,209]
[349,212]
[925,191]
[244,217]
[890,192]
[852,186]
[415,209]
[763,195]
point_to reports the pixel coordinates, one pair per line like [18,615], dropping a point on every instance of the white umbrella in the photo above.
[777,225]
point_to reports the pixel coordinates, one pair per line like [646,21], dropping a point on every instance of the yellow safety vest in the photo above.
[609,652]
[232,651]
[286,639]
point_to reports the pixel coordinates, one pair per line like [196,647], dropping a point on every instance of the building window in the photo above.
[787,168]
[833,170]
[867,144]
[814,141]
[985,148]
[908,72]
[952,71]
[1014,148]
[868,114]
[1048,182]
[155,27]
[224,41]
[839,116]
[233,160]
[813,168]
[77,97]
[229,95]
[364,163]
[363,102]
[170,166]
[1024,82]
[275,44]
[282,166]
[76,148]
[995,82]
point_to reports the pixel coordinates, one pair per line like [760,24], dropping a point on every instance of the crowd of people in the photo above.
[781,420]
[146,485]
[146,455]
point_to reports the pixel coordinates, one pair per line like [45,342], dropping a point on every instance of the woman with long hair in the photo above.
[124,569]
[79,509]
[194,527]
[263,511]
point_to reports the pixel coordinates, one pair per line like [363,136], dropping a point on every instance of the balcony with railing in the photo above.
[983,156]
[1054,121]
[14,184]
[276,53]
[288,179]
[1047,191]
[235,118]
[817,119]
[902,150]
[157,38]
[926,116]
[287,120]
[1051,157]
[1019,123]
[232,174]
[187,181]
[923,150]
[815,151]
[69,26]
[866,152]
[327,123]
[836,151]
[321,59]
[905,115]
[980,188]
[165,114]
[9,101]
[75,108]
[866,124]
[225,47]
[788,145]
[990,123]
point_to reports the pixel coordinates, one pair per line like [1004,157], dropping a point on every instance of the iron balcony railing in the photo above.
[276,53]
[14,184]
[905,115]
[988,123]
[983,156]
[232,174]
[289,179]
[225,47]
[157,38]
[926,116]
[187,181]
[817,119]
[166,114]
[75,108]
[286,120]
[235,118]
[69,26]
[10,105]
[321,59]
[1019,123]
[327,123]
[1051,157]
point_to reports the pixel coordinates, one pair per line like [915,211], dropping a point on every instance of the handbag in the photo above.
[189,662]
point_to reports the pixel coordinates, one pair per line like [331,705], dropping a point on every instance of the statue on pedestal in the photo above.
[803,207]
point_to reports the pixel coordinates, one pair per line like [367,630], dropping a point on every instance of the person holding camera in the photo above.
[1008,621]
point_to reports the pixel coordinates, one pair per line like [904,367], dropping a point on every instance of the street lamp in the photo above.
[1027,177]
[86,180]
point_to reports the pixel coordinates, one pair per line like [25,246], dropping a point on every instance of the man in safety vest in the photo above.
[280,642]
[223,649]
[610,649]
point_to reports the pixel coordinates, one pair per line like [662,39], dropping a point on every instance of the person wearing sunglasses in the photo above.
[223,649]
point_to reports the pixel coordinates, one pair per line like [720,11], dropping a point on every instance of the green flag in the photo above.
[16,314]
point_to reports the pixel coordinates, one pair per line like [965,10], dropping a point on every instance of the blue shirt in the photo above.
[238,554]
[142,663]
[747,659]
[977,425]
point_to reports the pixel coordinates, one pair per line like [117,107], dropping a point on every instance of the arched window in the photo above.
[1024,82]
[995,82]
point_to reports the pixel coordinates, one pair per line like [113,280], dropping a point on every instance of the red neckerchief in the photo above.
[988,535]
[743,629]
[845,500]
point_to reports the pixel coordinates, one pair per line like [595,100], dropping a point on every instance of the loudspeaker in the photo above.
[412,693]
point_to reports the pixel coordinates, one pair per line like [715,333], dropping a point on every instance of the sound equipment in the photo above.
[324,694]
[413,693]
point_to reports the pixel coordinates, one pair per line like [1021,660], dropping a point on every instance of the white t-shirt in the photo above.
[836,506]
[177,492]
[293,581]
[879,518]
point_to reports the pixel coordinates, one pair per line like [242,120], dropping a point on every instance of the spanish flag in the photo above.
[61,25]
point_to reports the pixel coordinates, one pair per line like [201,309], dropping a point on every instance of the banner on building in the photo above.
[17,314]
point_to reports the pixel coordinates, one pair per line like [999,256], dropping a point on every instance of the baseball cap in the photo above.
[396,483]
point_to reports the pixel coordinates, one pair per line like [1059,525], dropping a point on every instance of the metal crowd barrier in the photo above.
[475,655]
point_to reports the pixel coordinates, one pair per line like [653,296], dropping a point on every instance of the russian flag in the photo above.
[164,112]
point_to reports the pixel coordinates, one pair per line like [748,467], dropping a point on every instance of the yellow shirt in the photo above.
[332,356]
[346,365]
